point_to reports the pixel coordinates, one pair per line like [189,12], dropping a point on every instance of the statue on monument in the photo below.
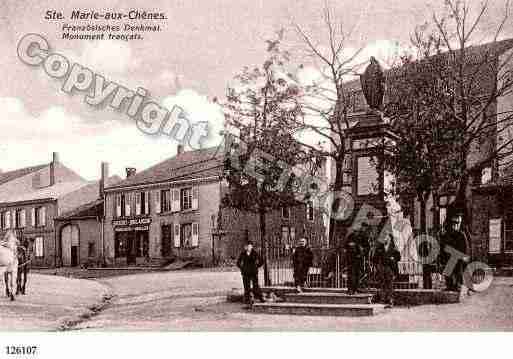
[373,84]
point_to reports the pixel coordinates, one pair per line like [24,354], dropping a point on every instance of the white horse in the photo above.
[9,262]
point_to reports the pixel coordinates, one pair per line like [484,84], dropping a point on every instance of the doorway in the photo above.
[131,255]
[74,256]
[70,245]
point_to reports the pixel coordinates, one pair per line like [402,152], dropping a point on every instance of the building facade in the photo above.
[173,210]
[485,188]
[31,203]
[79,235]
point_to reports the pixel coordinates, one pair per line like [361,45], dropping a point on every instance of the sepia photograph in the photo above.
[254,166]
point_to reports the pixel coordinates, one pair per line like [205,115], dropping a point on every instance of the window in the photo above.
[122,202]
[91,249]
[2,220]
[7,219]
[309,211]
[165,200]
[189,236]
[39,247]
[285,212]
[117,206]
[185,199]
[494,235]
[40,213]
[20,218]
[186,235]
[144,198]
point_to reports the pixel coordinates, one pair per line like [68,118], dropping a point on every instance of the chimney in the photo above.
[179,149]
[55,160]
[103,179]
[130,171]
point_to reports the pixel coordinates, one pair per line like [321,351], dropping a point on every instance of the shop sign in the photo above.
[132,228]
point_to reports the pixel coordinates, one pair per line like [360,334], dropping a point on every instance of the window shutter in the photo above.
[195,196]
[23,218]
[147,202]
[128,198]
[195,234]
[175,204]
[118,205]
[8,219]
[137,203]
[43,216]
[177,236]
[157,202]
[39,247]
[33,216]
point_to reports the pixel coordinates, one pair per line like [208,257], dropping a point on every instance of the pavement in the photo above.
[195,300]
[51,303]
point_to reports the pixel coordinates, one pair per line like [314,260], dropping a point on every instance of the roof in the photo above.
[473,52]
[12,175]
[201,163]
[51,192]
[91,209]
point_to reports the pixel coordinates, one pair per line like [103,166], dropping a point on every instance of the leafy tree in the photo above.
[261,152]
[444,104]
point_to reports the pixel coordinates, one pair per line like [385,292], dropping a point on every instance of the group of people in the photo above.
[356,252]
[250,261]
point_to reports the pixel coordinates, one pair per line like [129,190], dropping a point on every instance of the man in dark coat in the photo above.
[355,249]
[302,259]
[453,238]
[24,255]
[386,258]
[249,262]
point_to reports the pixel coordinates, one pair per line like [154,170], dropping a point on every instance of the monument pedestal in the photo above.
[364,178]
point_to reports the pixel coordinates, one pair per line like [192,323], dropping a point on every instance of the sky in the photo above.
[202,45]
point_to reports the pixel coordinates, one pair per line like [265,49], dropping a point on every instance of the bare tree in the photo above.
[327,102]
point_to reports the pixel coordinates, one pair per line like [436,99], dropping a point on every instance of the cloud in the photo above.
[28,139]
[113,59]
[198,109]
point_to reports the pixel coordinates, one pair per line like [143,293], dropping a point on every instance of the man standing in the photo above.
[353,257]
[386,257]
[249,261]
[453,239]
[302,259]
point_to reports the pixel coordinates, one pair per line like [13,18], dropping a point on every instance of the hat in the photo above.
[248,243]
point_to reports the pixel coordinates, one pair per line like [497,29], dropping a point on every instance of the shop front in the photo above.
[131,240]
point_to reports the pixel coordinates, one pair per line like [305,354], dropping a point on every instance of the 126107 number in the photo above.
[21,349]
